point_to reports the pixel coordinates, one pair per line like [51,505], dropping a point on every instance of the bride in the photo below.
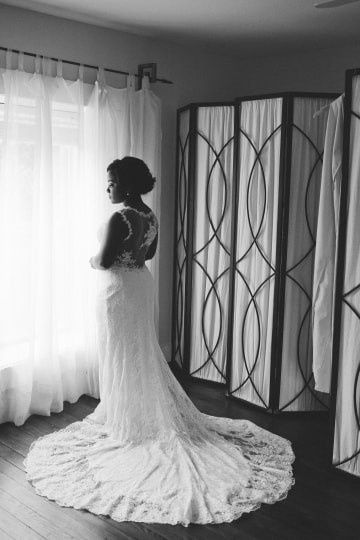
[146,453]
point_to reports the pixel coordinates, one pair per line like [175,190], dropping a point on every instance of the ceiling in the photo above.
[238,27]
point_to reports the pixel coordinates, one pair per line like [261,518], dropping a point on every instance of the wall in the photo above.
[319,71]
[197,75]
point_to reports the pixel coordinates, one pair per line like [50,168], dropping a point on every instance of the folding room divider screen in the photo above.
[248,176]
[345,385]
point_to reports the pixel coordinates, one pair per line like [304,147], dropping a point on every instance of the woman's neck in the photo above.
[133,200]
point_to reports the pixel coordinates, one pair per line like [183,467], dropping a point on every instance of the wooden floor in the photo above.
[323,504]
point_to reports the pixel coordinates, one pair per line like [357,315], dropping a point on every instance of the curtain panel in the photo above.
[346,447]
[56,139]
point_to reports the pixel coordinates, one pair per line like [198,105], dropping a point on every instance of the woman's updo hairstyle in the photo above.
[133,173]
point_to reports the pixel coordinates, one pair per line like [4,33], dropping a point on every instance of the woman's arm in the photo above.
[152,249]
[116,231]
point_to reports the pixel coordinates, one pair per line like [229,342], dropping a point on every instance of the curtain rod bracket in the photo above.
[146,70]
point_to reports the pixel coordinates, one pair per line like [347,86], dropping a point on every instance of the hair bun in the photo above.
[133,173]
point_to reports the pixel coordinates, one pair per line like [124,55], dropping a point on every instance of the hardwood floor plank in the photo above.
[10,455]
[15,528]
[44,527]
[3,534]
[15,438]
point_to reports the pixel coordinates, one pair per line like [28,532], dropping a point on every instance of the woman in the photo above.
[147,453]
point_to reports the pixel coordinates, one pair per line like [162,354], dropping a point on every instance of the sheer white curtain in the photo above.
[52,199]
[347,433]
[325,259]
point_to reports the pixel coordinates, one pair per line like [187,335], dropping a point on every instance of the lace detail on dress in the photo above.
[128,224]
[127,258]
[150,233]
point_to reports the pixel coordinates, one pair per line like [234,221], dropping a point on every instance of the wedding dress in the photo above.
[146,453]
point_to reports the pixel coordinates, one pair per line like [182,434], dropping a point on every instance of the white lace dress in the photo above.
[146,453]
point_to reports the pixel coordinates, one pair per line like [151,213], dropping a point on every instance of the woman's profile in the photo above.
[146,453]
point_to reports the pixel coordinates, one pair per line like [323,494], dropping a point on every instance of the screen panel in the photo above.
[183,142]
[256,223]
[211,242]
[297,391]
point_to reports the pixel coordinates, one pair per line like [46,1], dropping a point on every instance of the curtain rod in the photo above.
[71,62]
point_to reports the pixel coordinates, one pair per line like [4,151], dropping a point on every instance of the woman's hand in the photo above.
[95,263]
[92,263]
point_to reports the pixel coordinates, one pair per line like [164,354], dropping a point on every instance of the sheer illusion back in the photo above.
[146,453]
[142,230]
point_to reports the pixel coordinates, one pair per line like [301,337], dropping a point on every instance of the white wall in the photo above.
[197,76]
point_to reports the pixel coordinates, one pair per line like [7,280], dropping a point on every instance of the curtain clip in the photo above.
[8,58]
[130,82]
[101,76]
[145,83]
[59,68]
[37,64]
[21,61]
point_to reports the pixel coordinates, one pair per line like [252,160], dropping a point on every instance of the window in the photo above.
[31,201]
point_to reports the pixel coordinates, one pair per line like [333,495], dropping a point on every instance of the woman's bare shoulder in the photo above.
[119,221]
